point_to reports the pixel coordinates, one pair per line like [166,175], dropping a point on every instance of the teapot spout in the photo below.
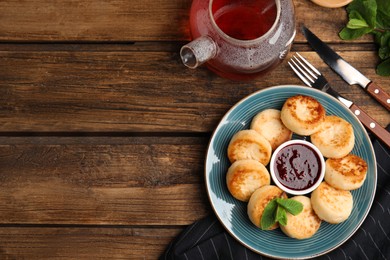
[198,52]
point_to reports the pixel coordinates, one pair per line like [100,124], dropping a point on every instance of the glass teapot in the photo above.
[239,39]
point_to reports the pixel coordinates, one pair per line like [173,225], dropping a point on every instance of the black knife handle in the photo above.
[371,125]
[379,94]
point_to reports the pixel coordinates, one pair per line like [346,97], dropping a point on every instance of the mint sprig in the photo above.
[292,206]
[281,215]
[371,17]
[276,211]
[268,217]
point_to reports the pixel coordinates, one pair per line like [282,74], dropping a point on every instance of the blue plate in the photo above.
[233,213]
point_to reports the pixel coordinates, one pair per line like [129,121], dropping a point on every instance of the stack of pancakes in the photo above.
[250,151]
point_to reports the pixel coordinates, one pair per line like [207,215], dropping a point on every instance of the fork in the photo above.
[314,78]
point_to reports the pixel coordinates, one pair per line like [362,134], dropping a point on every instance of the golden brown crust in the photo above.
[302,114]
[346,173]
[303,225]
[244,177]
[268,124]
[259,200]
[248,144]
[335,139]
[330,204]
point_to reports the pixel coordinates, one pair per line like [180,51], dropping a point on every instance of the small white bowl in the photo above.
[309,149]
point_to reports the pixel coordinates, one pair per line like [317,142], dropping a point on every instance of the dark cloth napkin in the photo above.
[207,239]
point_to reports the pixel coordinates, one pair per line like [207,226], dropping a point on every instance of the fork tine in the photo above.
[306,68]
[309,64]
[302,72]
[299,74]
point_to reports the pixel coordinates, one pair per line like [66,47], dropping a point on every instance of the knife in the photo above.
[345,70]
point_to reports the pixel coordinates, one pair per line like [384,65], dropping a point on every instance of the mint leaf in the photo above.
[353,30]
[268,217]
[366,9]
[384,52]
[383,20]
[383,40]
[276,211]
[357,24]
[383,14]
[356,16]
[384,6]
[383,68]
[352,34]
[281,215]
[292,206]
[370,17]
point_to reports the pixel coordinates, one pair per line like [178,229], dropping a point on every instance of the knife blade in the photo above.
[345,70]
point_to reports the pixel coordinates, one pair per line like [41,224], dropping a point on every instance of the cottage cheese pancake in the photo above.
[303,225]
[347,173]
[246,176]
[330,204]
[335,139]
[259,201]
[249,144]
[302,114]
[268,124]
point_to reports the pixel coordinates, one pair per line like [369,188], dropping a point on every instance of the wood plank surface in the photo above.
[37,243]
[99,180]
[59,91]
[126,21]
[104,132]
[102,20]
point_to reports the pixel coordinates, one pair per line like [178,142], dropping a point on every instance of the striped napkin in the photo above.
[207,239]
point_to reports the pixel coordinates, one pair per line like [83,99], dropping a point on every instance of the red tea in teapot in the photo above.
[239,39]
[244,20]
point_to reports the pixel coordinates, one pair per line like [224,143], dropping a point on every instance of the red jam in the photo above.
[297,166]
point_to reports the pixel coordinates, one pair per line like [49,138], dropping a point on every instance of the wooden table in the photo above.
[104,131]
